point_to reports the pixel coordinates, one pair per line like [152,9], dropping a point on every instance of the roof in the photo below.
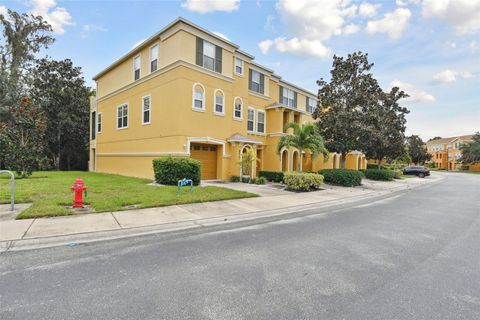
[468,137]
[237,137]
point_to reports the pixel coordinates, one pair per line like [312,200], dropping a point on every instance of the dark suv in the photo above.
[418,171]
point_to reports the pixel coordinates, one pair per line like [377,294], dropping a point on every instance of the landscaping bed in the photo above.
[49,192]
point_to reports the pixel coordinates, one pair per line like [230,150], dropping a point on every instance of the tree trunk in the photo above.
[343,158]
[300,159]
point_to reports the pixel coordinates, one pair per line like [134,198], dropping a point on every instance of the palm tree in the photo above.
[303,138]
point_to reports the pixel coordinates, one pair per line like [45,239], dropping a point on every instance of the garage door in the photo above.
[207,155]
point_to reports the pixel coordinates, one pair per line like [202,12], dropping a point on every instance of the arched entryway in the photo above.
[335,161]
[295,160]
[247,168]
[359,163]
[285,160]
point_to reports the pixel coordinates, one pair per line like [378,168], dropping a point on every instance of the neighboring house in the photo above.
[446,151]
[188,92]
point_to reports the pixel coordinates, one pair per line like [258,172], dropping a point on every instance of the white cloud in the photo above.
[221,35]
[269,23]
[205,6]
[451,44]
[473,46]
[350,29]
[3,10]
[415,95]
[449,76]
[302,47]
[57,17]
[404,3]
[89,28]
[392,23]
[462,15]
[368,9]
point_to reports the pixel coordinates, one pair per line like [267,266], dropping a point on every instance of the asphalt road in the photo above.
[415,256]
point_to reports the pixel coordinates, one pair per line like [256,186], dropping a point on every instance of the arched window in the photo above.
[219,102]
[198,97]
[238,108]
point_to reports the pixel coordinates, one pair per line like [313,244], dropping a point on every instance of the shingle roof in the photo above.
[468,137]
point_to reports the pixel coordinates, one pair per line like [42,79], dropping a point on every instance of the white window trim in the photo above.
[100,122]
[128,114]
[150,110]
[241,111]
[203,97]
[215,102]
[264,122]
[150,57]
[254,116]
[133,67]
[235,67]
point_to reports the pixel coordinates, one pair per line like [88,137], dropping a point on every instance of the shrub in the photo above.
[380,175]
[303,181]
[245,179]
[168,170]
[397,174]
[374,166]
[252,180]
[342,177]
[261,180]
[234,179]
[431,165]
[275,176]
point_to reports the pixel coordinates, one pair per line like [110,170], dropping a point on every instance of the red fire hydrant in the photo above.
[78,188]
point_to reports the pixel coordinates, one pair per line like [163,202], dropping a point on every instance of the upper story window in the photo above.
[122,116]
[219,107]
[260,121]
[238,108]
[146,110]
[239,66]
[198,97]
[99,122]
[288,97]
[93,127]
[251,120]
[310,105]
[209,55]
[136,67]
[256,81]
[154,58]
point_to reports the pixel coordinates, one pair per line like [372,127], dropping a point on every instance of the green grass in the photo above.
[49,192]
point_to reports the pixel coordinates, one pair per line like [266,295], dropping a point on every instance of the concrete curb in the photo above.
[322,207]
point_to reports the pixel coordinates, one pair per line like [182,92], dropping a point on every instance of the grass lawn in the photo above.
[49,191]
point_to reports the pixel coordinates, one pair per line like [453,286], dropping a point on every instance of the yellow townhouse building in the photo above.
[190,93]
[446,152]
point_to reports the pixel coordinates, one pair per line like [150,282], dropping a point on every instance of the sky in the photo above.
[429,48]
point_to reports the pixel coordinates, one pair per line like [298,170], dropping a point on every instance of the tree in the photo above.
[386,124]
[340,110]
[417,150]
[249,157]
[23,144]
[471,150]
[435,138]
[60,91]
[304,138]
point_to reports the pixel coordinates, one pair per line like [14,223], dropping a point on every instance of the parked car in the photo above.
[419,171]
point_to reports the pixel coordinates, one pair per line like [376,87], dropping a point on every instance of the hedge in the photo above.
[342,177]
[168,170]
[275,176]
[303,181]
[380,175]
[374,166]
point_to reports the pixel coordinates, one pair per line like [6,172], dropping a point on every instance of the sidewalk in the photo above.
[272,201]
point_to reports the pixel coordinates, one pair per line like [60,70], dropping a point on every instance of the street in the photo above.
[413,256]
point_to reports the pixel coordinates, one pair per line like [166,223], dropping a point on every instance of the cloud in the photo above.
[450,76]
[350,29]
[221,35]
[205,6]
[392,23]
[368,9]
[415,95]
[89,28]
[302,47]
[56,16]
[404,3]
[3,11]
[269,23]
[473,46]
[462,15]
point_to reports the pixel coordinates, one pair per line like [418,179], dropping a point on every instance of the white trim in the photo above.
[278,134]
[97,122]
[116,116]
[254,116]
[235,66]
[150,56]
[264,122]
[142,154]
[241,110]
[207,140]
[215,102]
[259,95]
[149,110]
[140,68]
[203,97]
